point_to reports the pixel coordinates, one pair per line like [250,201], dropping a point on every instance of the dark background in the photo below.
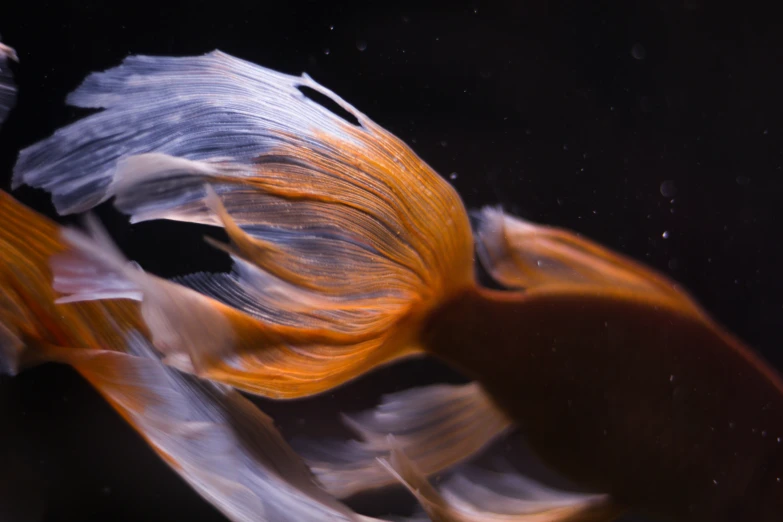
[568,113]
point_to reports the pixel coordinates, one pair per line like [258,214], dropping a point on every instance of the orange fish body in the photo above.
[660,409]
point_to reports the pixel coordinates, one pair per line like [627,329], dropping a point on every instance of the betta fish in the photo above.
[349,253]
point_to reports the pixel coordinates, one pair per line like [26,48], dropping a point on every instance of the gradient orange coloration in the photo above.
[617,378]
[28,241]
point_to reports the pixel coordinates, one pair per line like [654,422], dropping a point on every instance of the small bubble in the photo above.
[453,175]
[665,234]
[560,201]
[714,481]
[638,51]
[671,378]
[764,433]
[361,45]
[731,425]
[743,180]
[326,51]
[331,28]
[444,143]
[668,189]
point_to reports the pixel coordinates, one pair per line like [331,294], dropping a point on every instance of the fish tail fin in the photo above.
[339,232]
[30,319]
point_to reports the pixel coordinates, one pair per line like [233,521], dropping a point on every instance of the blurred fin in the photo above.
[215,439]
[7,84]
[436,426]
[522,255]
[499,497]
[29,316]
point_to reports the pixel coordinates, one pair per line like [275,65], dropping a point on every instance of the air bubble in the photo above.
[638,51]
[668,189]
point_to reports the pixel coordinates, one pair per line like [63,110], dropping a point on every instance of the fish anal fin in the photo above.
[436,426]
[467,501]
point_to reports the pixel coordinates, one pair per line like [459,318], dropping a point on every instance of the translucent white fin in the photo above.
[215,439]
[339,231]
[7,84]
[437,427]
[496,497]
[180,320]
[522,255]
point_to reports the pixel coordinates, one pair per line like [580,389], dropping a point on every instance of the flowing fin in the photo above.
[201,335]
[215,439]
[356,237]
[28,313]
[7,84]
[436,426]
[498,497]
[522,255]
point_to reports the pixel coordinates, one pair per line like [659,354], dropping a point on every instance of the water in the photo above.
[650,103]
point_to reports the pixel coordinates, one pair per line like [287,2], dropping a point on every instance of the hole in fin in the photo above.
[329,104]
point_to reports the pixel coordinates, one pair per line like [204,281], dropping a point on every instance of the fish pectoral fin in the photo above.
[436,426]
[522,255]
[471,495]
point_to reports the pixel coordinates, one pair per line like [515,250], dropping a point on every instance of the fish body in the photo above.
[350,252]
[661,410]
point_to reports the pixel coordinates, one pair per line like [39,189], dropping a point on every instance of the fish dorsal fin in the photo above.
[525,256]
[436,426]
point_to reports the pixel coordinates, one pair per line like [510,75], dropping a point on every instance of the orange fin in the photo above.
[436,426]
[522,255]
[475,496]
[343,239]
[28,313]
